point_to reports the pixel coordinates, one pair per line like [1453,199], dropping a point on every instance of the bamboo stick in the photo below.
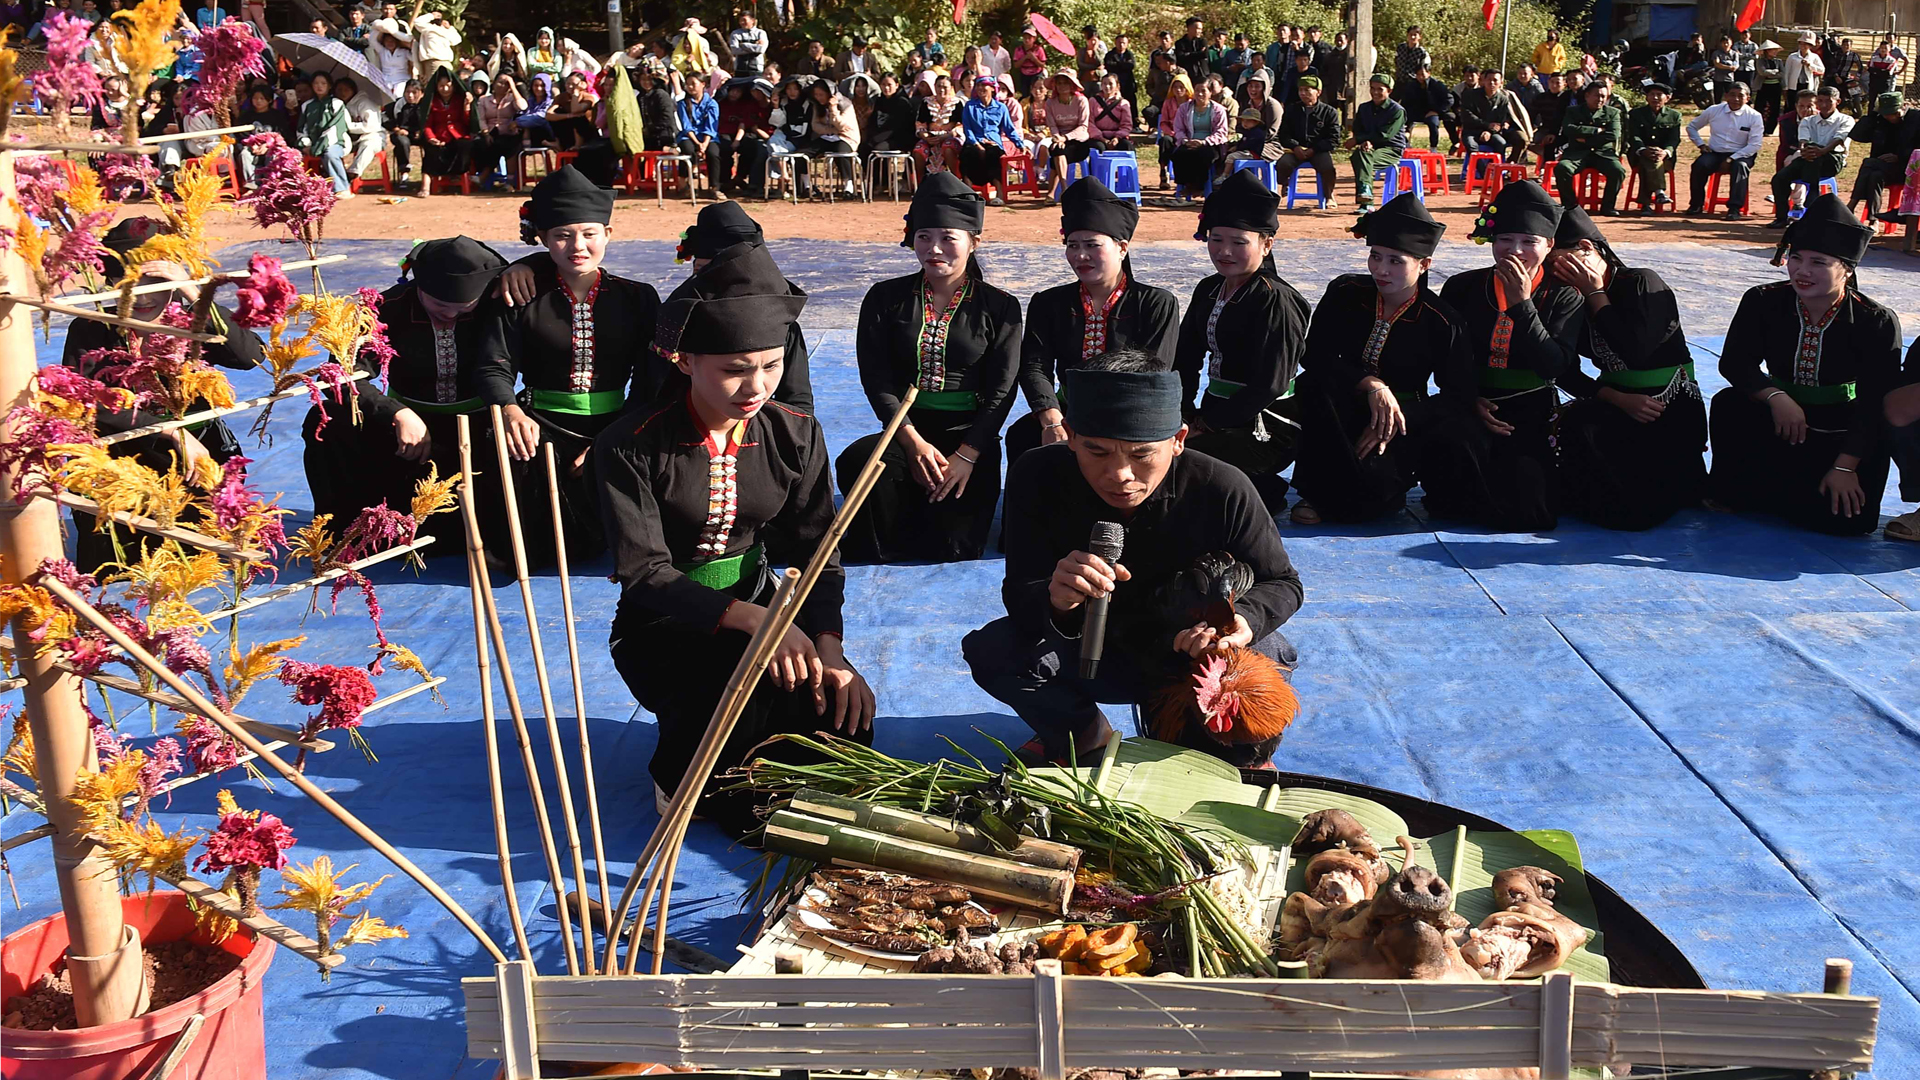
[477,569]
[319,579]
[245,738]
[141,325]
[267,927]
[148,525]
[174,701]
[178,1051]
[30,535]
[673,829]
[494,787]
[203,415]
[11,684]
[179,136]
[804,836]
[931,829]
[562,783]
[579,692]
[110,295]
[80,148]
[27,837]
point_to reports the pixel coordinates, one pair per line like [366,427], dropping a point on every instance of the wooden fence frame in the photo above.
[1057,1024]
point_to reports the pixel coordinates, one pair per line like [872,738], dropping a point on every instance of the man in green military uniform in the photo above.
[1379,135]
[1590,137]
[1653,144]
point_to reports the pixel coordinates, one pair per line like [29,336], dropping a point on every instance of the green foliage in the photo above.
[892,29]
[1456,34]
[454,10]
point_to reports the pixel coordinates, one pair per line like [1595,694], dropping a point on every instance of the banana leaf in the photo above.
[1484,854]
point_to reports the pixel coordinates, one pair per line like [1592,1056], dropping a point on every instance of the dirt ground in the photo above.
[1024,220]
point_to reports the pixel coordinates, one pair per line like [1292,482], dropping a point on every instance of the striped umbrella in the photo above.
[313,53]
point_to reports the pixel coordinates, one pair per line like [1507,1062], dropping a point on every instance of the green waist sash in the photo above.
[447,408]
[597,403]
[723,574]
[1650,379]
[1511,379]
[1227,388]
[1837,394]
[947,400]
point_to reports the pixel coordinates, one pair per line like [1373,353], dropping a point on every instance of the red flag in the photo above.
[1752,13]
[1489,8]
[959,12]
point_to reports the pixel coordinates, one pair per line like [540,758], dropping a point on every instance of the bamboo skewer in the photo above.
[495,790]
[579,697]
[149,525]
[319,579]
[477,567]
[672,829]
[562,784]
[193,418]
[58,308]
[246,739]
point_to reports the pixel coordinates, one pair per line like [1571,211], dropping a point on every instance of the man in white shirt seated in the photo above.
[1735,131]
[1823,153]
[363,124]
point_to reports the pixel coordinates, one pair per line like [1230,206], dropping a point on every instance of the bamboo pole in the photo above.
[111,295]
[58,308]
[579,693]
[563,785]
[174,701]
[494,787]
[29,536]
[149,525]
[181,136]
[78,148]
[192,418]
[477,568]
[319,579]
[246,739]
[746,675]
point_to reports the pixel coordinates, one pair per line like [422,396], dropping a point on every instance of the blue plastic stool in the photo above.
[1119,170]
[1387,178]
[1076,169]
[1294,195]
[1261,166]
[1828,186]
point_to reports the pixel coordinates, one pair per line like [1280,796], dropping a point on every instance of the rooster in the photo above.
[1234,702]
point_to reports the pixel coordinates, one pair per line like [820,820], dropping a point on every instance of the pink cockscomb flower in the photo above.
[284,192]
[342,693]
[210,749]
[126,175]
[184,652]
[229,53]
[376,348]
[246,840]
[265,294]
[65,382]
[70,78]
[375,530]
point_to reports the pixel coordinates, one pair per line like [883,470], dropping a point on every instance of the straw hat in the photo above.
[1770,44]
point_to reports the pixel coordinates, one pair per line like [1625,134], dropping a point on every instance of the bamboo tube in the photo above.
[175,701]
[193,418]
[932,829]
[246,739]
[477,573]
[141,325]
[29,536]
[562,784]
[149,525]
[745,677]
[579,695]
[831,842]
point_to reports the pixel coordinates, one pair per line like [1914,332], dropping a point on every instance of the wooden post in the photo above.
[520,1056]
[1556,1026]
[111,986]
[1050,1017]
[1362,47]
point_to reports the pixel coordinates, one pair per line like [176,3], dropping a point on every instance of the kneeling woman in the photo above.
[1246,328]
[954,336]
[1368,429]
[1810,360]
[1107,308]
[1632,445]
[1522,327]
[703,493]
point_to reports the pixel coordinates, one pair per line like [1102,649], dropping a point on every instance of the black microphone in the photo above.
[1106,542]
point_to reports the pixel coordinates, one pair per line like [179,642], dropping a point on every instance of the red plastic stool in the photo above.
[1498,177]
[1029,183]
[430,183]
[1589,186]
[1477,178]
[366,181]
[224,168]
[1673,192]
[1892,203]
[1714,201]
[1433,170]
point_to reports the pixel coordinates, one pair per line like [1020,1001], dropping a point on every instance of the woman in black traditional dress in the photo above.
[1368,429]
[1106,308]
[1246,328]
[1632,447]
[718,227]
[948,332]
[1798,432]
[1524,329]
[576,347]
[703,494]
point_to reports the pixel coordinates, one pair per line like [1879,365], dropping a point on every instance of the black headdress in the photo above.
[740,302]
[565,198]
[1403,224]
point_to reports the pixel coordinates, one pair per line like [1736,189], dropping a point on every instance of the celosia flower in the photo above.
[245,840]
[127,175]
[342,693]
[229,53]
[68,384]
[284,192]
[265,295]
[40,181]
[317,890]
[375,530]
[70,78]
[365,585]
[163,760]
[64,572]
[376,348]
[210,749]
[183,651]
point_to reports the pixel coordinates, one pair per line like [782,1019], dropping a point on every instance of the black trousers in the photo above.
[447,159]
[350,468]
[743,159]
[1261,459]
[1194,165]
[399,153]
[980,163]
[1622,474]
[1040,680]
[571,434]
[1904,443]
[898,523]
[1754,469]
[1345,487]
[678,673]
[1710,162]
[492,147]
[1511,484]
[714,158]
[1875,176]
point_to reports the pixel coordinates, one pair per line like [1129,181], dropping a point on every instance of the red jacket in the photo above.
[448,121]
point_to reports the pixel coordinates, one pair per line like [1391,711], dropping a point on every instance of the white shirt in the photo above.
[1796,65]
[203,120]
[363,116]
[998,61]
[1735,133]
[1817,130]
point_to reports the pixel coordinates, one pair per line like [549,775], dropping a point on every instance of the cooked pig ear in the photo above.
[1525,885]
[1324,829]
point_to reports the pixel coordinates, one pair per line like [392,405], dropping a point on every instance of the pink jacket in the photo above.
[1069,120]
[1183,124]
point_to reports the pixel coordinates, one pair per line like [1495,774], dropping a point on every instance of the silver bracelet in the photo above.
[1844,469]
[1377,389]
[1776,393]
[968,460]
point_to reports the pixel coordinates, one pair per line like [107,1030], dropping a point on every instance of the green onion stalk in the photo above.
[1145,853]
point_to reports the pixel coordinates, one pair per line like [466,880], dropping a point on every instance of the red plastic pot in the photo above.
[231,1044]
